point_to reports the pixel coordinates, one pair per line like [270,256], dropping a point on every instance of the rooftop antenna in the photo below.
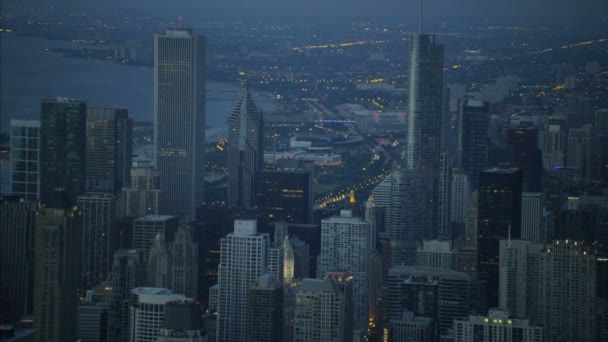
[420,17]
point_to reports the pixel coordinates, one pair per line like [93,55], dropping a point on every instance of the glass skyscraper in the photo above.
[179,120]
[25,165]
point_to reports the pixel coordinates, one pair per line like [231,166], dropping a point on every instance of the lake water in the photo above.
[29,73]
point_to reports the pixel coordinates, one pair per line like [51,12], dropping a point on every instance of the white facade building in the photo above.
[496,327]
[147,312]
[436,253]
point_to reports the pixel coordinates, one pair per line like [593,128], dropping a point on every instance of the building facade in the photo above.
[497,326]
[148,311]
[25,159]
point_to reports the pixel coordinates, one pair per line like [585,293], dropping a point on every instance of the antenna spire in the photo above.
[420,17]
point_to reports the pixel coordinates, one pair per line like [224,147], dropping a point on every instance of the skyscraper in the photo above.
[266,310]
[148,312]
[497,326]
[63,151]
[127,274]
[409,327]
[25,159]
[436,253]
[146,228]
[460,193]
[109,149]
[17,223]
[179,119]
[98,237]
[526,155]
[499,217]
[552,141]
[580,141]
[284,195]
[245,151]
[91,322]
[182,322]
[473,123]
[141,198]
[321,311]
[243,258]
[345,245]
[532,217]
[56,268]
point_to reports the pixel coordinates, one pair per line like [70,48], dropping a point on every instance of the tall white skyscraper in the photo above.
[245,151]
[243,258]
[345,246]
[25,162]
[179,120]
[148,312]
[532,216]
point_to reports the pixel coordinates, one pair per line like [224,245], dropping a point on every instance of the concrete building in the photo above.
[98,236]
[25,159]
[497,326]
[245,151]
[266,310]
[179,120]
[345,245]
[56,264]
[148,311]
[109,149]
[437,254]
[141,198]
[410,328]
[322,311]
[17,227]
[63,153]
[243,258]
[127,274]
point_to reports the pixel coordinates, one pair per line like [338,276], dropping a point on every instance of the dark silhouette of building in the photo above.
[284,195]
[182,322]
[499,217]
[472,139]
[266,310]
[62,151]
[526,155]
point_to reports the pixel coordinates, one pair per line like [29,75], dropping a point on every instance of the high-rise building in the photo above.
[266,310]
[437,254]
[25,159]
[444,230]
[322,311]
[17,224]
[91,323]
[141,198]
[284,195]
[148,311]
[526,155]
[57,243]
[146,228]
[179,120]
[245,151]
[127,274]
[62,151]
[552,142]
[382,198]
[497,326]
[182,322]
[174,265]
[472,146]
[441,295]
[410,328]
[345,245]
[460,197]
[499,217]
[580,141]
[243,258]
[532,217]
[553,285]
[98,235]
[109,149]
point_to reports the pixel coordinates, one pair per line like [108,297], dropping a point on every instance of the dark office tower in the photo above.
[600,145]
[444,230]
[98,235]
[17,222]
[127,274]
[266,310]
[91,322]
[182,322]
[284,195]
[473,123]
[109,149]
[526,155]
[56,274]
[425,103]
[579,151]
[25,159]
[499,217]
[62,151]
[142,195]
[245,151]
[179,120]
